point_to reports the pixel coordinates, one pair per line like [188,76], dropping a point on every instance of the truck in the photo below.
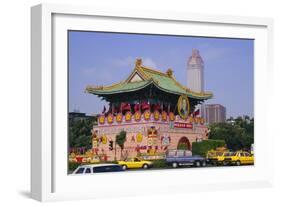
[177,158]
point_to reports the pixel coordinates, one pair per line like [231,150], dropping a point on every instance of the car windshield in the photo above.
[180,153]
[211,154]
[80,170]
[219,153]
[227,154]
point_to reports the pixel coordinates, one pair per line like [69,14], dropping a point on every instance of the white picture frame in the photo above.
[49,180]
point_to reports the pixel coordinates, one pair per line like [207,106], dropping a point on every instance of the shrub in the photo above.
[201,148]
[159,163]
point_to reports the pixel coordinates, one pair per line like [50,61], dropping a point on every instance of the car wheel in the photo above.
[203,164]
[145,166]
[224,163]
[174,165]
[124,167]
[197,164]
[238,163]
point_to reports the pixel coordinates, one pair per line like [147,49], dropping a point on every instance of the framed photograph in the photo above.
[138,102]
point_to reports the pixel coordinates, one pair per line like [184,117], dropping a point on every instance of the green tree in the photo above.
[237,133]
[80,133]
[120,140]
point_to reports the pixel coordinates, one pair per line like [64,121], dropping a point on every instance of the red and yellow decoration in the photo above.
[171,116]
[101,119]
[128,116]
[164,116]
[156,115]
[152,136]
[119,117]
[137,116]
[147,115]
[110,119]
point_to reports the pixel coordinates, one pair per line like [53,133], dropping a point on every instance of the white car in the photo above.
[97,168]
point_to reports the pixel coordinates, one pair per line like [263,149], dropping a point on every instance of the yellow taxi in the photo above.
[215,157]
[134,163]
[238,158]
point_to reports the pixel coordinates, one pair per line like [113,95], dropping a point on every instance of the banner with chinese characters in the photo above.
[183,125]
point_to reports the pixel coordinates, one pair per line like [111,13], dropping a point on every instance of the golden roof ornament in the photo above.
[169,72]
[138,62]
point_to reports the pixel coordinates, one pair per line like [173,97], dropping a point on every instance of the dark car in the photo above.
[177,158]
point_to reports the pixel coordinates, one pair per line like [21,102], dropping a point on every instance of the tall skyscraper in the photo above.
[195,72]
[215,113]
[195,76]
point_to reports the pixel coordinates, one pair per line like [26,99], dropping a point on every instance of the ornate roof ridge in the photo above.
[102,87]
[173,78]
[155,71]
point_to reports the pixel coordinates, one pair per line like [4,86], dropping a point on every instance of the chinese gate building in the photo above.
[155,111]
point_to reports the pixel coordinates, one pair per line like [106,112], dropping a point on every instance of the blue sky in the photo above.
[97,58]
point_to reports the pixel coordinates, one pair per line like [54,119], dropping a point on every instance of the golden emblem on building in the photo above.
[137,116]
[128,116]
[110,119]
[101,119]
[119,117]
[164,116]
[156,115]
[171,116]
[139,137]
[147,115]
[104,139]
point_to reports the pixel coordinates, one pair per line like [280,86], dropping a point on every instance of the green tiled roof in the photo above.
[119,88]
[163,81]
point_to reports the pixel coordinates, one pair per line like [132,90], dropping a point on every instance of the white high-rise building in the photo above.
[195,75]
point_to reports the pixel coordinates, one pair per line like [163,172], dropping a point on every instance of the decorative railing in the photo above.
[146,116]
